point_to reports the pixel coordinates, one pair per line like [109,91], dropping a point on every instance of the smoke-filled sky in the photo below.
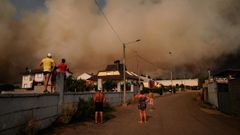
[198,33]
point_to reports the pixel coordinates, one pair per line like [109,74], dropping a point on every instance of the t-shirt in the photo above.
[47,64]
[62,67]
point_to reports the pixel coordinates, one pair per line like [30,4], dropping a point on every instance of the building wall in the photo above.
[187,82]
[83,76]
[234,91]
[27,81]
[213,94]
[16,110]
[39,77]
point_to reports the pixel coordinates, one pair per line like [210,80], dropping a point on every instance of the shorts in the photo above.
[142,106]
[98,106]
[46,72]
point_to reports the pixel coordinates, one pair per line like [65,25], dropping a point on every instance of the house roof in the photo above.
[115,72]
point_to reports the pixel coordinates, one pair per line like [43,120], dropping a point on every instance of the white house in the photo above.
[32,76]
[186,82]
[84,76]
[146,81]
[36,77]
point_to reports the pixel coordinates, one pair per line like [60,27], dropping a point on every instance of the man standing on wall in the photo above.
[98,99]
[47,65]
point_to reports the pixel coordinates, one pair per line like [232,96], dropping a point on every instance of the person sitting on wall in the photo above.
[98,100]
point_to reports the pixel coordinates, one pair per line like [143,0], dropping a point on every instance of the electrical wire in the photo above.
[107,20]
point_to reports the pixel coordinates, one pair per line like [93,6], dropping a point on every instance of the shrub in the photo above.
[85,111]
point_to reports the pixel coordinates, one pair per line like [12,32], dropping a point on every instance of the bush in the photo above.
[74,85]
[86,111]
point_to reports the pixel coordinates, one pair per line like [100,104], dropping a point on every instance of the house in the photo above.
[185,82]
[146,81]
[31,77]
[84,76]
[114,73]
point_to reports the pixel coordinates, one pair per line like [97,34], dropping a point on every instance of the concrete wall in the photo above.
[234,91]
[17,109]
[213,94]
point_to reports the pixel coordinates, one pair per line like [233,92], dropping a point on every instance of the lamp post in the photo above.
[124,69]
[171,76]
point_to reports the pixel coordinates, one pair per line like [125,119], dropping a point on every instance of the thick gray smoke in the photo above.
[195,32]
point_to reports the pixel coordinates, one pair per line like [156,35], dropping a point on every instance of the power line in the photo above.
[107,20]
[147,61]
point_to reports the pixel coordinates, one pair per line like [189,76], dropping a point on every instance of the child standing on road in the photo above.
[142,106]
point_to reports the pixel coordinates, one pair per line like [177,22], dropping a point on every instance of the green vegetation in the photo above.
[75,85]
[85,111]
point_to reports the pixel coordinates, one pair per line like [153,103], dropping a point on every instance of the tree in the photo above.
[75,85]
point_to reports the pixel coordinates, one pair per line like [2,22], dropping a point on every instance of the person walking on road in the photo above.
[47,64]
[142,106]
[98,99]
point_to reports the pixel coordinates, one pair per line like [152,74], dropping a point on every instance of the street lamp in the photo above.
[170,53]
[124,69]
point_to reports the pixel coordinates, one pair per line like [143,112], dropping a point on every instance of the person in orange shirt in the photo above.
[47,64]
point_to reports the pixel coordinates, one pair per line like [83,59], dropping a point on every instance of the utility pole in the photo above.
[124,69]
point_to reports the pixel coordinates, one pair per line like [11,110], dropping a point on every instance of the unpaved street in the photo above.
[176,114]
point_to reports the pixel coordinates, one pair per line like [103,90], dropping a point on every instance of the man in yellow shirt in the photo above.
[47,65]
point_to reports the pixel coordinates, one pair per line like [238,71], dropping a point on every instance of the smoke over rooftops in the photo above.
[196,32]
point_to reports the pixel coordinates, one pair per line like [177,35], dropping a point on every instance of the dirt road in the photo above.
[177,114]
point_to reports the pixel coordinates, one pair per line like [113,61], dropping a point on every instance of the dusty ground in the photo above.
[176,114]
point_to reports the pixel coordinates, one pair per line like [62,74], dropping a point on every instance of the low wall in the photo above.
[213,94]
[234,91]
[18,109]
